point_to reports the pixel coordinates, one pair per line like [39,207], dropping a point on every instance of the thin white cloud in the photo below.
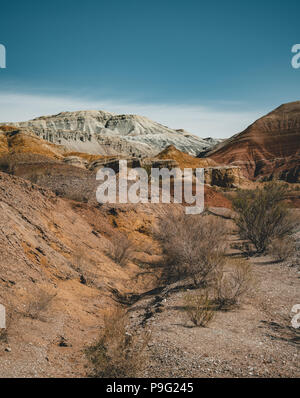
[205,121]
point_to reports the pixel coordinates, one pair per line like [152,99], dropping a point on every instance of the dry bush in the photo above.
[247,248]
[144,247]
[282,249]
[230,286]
[199,308]
[263,216]
[78,260]
[39,304]
[120,249]
[193,246]
[117,353]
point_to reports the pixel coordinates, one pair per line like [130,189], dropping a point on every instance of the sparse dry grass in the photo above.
[120,249]
[117,353]
[39,304]
[282,249]
[231,285]
[199,308]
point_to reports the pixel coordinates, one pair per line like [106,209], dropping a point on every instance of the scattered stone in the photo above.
[63,342]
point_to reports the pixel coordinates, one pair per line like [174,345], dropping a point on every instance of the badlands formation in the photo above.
[270,147]
[72,174]
[58,277]
[104,133]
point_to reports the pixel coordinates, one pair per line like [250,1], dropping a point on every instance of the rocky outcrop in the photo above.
[98,132]
[269,148]
[224,176]
[114,163]
[160,163]
[214,174]
[76,161]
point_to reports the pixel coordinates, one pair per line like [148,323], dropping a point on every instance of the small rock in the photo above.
[63,342]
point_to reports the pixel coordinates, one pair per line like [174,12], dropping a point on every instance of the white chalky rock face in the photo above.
[99,132]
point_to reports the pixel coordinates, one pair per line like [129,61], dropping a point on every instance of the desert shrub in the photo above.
[39,304]
[117,353]
[120,249]
[282,249]
[193,246]
[262,215]
[230,286]
[199,308]
[78,260]
[246,248]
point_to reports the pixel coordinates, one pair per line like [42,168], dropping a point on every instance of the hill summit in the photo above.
[104,133]
[270,147]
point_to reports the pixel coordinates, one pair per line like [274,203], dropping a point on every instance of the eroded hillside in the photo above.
[54,248]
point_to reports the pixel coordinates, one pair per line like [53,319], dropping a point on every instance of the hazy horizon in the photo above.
[199,120]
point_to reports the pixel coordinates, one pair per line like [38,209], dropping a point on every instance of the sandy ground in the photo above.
[255,340]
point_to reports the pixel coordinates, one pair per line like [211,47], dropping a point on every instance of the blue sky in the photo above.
[209,67]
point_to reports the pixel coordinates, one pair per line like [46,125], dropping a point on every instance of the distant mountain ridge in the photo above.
[105,133]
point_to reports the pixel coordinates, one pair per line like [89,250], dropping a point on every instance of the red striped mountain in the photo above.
[270,147]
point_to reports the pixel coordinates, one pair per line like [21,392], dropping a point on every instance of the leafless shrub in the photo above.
[117,353]
[199,308]
[230,286]
[144,247]
[282,249]
[263,216]
[39,304]
[78,260]
[246,248]
[193,246]
[120,249]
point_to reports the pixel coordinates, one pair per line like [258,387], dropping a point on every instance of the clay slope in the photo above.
[183,159]
[14,140]
[104,133]
[269,148]
[50,246]
[57,249]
